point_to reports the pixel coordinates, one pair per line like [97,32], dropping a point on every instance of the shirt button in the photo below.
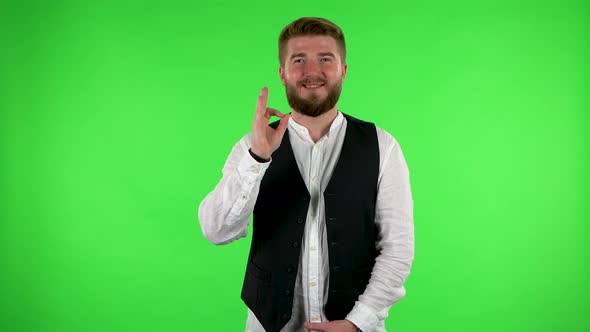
[316,318]
[312,284]
[312,248]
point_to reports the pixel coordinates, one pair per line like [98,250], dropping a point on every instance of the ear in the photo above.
[282,74]
[344,68]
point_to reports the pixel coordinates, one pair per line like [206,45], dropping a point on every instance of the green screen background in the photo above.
[116,119]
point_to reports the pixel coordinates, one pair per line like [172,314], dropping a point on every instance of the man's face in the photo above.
[313,74]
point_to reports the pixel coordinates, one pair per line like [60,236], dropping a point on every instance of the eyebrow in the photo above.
[328,54]
[302,55]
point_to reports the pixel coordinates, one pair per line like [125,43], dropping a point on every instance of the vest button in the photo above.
[335,268]
[332,219]
[285,316]
[300,220]
[305,198]
[290,269]
[295,244]
[288,292]
[332,243]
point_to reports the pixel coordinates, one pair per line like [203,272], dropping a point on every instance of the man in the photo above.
[333,236]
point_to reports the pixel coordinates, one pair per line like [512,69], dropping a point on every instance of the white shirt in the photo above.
[224,215]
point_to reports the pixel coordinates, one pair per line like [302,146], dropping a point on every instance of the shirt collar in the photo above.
[303,132]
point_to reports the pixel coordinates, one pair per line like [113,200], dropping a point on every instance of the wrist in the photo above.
[354,326]
[259,158]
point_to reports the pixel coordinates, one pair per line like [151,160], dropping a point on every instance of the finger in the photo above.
[315,326]
[271,111]
[262,99]
[282,127]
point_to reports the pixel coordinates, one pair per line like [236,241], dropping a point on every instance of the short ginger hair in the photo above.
[311,26]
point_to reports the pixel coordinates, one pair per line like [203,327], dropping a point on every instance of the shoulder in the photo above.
[353,120]
[385,139]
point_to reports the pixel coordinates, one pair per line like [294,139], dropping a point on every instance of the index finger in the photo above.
[262,100]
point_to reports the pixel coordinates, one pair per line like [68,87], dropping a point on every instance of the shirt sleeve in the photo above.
[225,212]
[395,241]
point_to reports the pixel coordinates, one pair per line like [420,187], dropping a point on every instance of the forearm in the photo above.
[385,287]
[225,212]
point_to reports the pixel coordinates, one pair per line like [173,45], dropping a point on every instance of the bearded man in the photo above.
[333,234]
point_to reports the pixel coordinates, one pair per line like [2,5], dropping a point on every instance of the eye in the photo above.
[298,60]
[325,59]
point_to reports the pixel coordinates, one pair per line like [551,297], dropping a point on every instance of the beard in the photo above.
[313,106]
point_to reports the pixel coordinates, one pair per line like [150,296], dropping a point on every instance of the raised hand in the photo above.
[265,140]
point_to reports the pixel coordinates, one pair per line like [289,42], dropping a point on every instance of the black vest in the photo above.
[279,220]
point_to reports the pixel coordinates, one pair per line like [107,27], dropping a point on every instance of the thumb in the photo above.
[315,326]
[282,127]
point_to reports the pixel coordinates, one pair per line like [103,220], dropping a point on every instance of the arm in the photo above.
[225,212]
[394,221]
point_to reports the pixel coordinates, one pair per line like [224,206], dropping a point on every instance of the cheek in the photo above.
[334,72]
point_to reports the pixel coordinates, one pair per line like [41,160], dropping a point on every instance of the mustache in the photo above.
[311,80]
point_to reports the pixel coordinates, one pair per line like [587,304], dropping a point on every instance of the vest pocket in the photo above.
[258,273]
[256,288]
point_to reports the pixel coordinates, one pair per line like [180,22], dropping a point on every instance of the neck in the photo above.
[318,126]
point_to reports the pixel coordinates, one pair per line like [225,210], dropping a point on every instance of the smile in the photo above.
[313,85]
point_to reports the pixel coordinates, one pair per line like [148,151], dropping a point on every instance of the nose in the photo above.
[312,68]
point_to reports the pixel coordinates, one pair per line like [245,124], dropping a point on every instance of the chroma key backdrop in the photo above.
[116,118]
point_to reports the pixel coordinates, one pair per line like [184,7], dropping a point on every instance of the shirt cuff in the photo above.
[251,169]
[363,317]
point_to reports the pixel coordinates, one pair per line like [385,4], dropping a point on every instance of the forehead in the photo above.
[312,44]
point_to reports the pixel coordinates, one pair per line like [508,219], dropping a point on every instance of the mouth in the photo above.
[313,85]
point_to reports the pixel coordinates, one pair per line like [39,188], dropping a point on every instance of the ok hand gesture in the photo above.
[265,139]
